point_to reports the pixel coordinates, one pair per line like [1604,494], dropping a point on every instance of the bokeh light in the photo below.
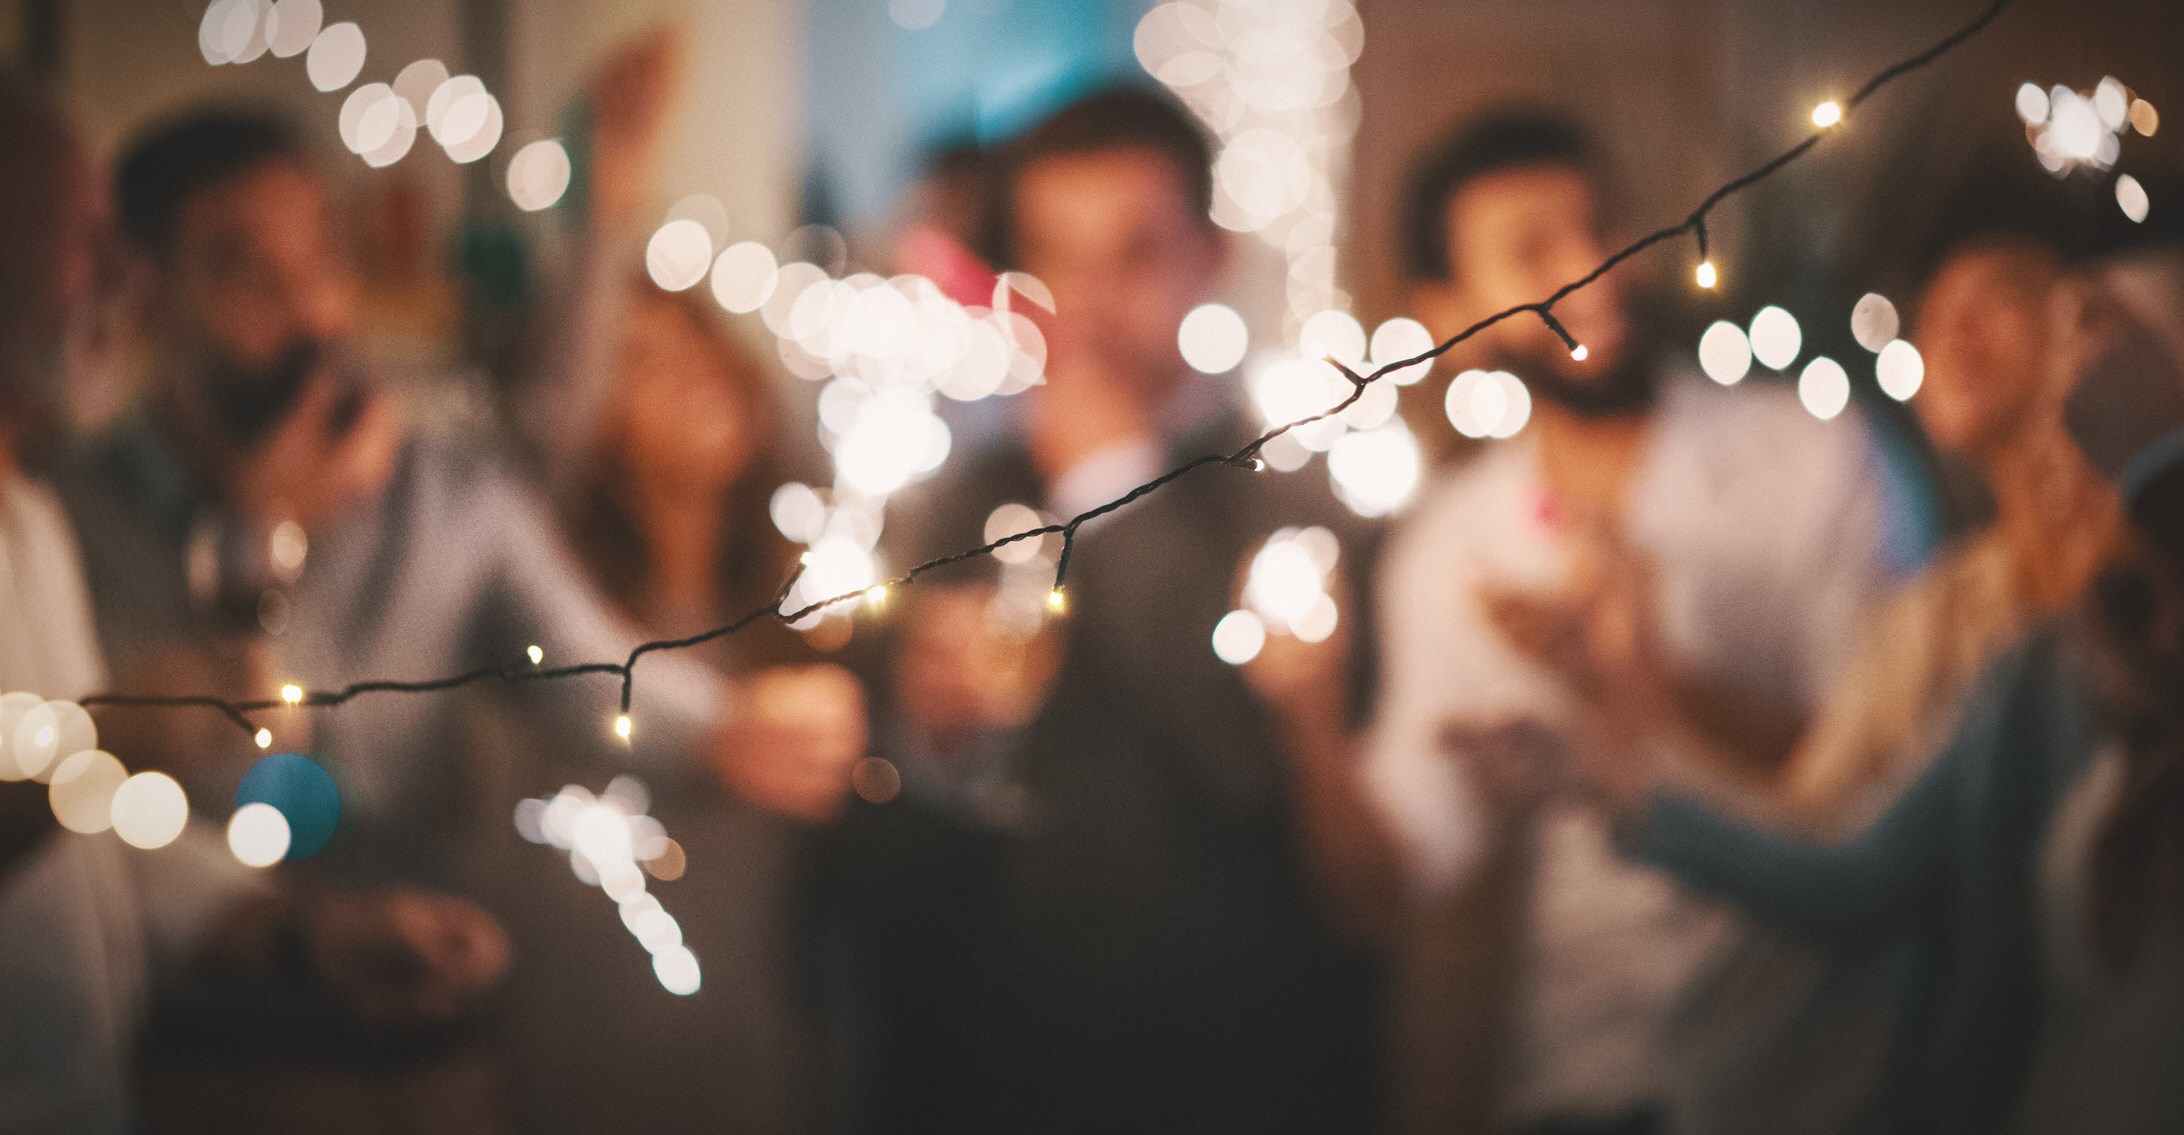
[150,810]
[1238,637]
[2131,198]
[82,791]
[1900,370]
[1873,321]
[916,15]
[1824,388]
[1487,404]
[336,56]
[677,969]
[1376,472]
[1008,520]
[679,254]
[1398,339]
[744,277]
[12,708]
[303,792]
[232,31]
[1213,338]
[1776,338]
[417,82]
[538,175]
[257,835]
[292,25]
[1725,353]
[44,734]
[1333,335]
[2032,104]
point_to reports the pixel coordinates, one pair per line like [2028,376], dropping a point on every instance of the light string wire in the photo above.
[1246,457]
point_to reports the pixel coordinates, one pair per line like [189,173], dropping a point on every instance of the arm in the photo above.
[1884,877]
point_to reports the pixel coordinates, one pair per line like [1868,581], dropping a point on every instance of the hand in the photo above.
[334,450]
[403,956]
[1598,634]
[796,734]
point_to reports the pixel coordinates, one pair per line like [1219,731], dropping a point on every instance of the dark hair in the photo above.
[2003,198]
[170,163]
[1117,118]
[1506,140]
[600,512]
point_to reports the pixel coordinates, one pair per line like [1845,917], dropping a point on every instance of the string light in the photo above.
[264,738]
[292,693]
[1057,602]
[1827,114]
[1705,274]
[1242,459]
[536,655]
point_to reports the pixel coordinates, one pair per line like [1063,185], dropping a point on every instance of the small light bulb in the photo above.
[1827,114]
[292,693]
[537,655]
[621,726]
[1580,353]
[264,738]
[1056,601]
[877,596]
[1258,464]
[1706,274]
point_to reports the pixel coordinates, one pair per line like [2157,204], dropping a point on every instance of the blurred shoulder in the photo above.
[1760,428]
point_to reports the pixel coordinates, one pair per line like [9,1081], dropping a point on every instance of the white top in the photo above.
[1765,528]
[83,918]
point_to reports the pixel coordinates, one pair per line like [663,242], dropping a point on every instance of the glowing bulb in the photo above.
[292,693]
[1580,353]
[537,655]
[1056,601]
[621,726]
[1706,274]
[877,597]
[1827,114]
[264,738]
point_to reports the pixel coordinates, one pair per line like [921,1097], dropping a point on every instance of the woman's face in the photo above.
[686,422]
[1983,329]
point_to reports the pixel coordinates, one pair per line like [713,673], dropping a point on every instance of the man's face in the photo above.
[254,278]
[1983,330]
[1516,235]
[1127,253]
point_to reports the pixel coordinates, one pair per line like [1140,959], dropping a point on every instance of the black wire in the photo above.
[1246,457]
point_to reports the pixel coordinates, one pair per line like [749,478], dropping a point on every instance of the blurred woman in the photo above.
[670,508]
[2056,805]
[1992,396]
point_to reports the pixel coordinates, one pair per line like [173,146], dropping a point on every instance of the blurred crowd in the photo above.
[1658,771]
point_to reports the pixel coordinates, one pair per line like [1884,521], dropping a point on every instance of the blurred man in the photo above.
[270,496]
[96,933]
[1099,915]
[1647,535]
